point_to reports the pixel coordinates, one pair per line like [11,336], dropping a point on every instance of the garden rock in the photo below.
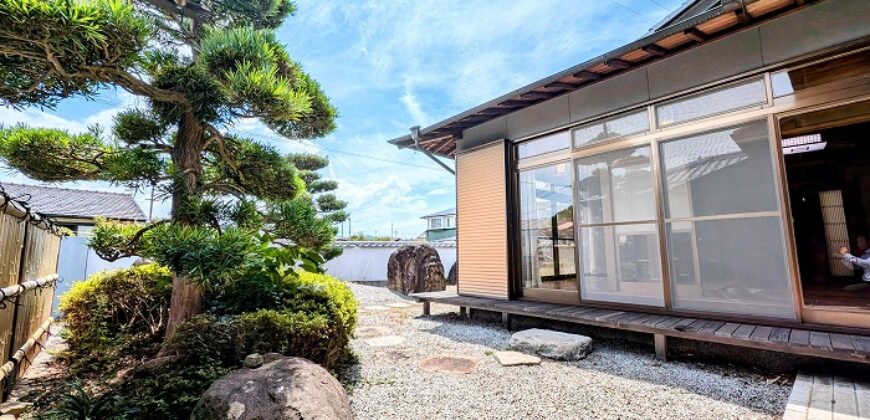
[451,275]
[271,357]
[449,364]
[253,361]
[289,388]
[552,344]
[415,269]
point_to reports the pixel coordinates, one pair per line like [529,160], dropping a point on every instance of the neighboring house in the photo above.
[77,211]
[367,260]
[441,225]
[706,174]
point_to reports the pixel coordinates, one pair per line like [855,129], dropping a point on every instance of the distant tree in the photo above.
[199,71]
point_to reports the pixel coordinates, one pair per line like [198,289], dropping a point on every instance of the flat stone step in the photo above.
[449,364]
[515,358]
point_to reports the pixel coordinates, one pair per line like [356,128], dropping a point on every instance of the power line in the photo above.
[632,10]
[660,5]
[355,154]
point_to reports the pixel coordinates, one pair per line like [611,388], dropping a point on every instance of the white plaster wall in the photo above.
[359,263]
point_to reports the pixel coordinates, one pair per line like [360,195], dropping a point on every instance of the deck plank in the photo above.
[842,342]
[822,398]
[761,333]
[845,399]
[744,331]
[799,338]
[727,330]
[780,335]
[820,340]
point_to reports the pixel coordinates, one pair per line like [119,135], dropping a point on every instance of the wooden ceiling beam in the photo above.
[695,35]
[536,95]
[560,85]
[587,75]
[656,50]
[618,64]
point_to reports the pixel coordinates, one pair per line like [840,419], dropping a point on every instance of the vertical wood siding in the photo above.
[481,222]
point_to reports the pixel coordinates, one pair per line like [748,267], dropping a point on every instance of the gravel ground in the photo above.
[615,381]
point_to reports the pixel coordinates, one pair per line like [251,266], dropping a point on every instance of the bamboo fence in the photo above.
[29,248]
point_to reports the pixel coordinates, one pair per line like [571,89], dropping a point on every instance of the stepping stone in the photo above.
[385,341]
[449,364]
[376,308]
[552,344]
[368,332]
[395,355]
[515,358]
[399,305]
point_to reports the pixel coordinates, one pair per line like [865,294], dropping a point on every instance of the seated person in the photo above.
[862,262]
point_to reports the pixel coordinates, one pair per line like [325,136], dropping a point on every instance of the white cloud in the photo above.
[437,191]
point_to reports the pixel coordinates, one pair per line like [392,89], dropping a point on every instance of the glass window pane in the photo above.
[621,264]
[727,171]
[613,128]
[547,228]
[733,266]
[787,82]
[615,187]
[546,144]
[711,103]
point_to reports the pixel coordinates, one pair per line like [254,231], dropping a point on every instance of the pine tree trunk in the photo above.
[186,301]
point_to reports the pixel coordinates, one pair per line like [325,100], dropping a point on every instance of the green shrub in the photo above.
[201,351]
[114,315]
[291,334]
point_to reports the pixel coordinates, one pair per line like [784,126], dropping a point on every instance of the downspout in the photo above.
[415,135]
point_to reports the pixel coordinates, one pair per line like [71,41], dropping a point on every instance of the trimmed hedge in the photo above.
[114,315]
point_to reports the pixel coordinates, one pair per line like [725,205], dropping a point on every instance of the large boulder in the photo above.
[451,275]
[415,269]
[288,388]
[552,344]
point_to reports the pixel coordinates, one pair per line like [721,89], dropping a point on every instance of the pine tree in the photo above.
[200,67]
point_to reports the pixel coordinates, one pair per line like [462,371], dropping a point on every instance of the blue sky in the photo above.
[391,64]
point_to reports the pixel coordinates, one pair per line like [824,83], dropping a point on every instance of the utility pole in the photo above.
[392,232]
[349,227]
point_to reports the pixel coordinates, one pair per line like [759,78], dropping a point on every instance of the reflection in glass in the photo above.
[615,187]
[723,172]
[547,228]
[724,230]
[711,103]
[621,264]
[735,266]
[612,128]
[546,144]
[619,254]
[788,82]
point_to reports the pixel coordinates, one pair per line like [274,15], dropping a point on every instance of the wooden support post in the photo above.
[462,312]
[426,308]
[506,320]
[661,344]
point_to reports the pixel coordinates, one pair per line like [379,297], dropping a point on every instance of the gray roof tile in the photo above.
[59,202]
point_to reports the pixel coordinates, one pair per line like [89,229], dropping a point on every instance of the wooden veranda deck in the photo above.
[848,347]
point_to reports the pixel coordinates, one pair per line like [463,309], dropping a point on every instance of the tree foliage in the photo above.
[198,76]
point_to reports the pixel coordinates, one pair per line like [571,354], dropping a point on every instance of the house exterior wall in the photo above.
[437,234]
[827,25]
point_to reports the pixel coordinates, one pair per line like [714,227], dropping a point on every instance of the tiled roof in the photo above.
[448,212]
[67,202]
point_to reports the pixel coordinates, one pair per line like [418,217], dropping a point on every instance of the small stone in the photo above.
[271,357]
[552,344]
[7,417]
[368,332]
[253,361]
[385,341]
[14,408]
[449,364]
[515,358]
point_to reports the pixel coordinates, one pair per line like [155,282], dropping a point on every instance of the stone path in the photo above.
[40,372]
[817,396]
[444,366]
